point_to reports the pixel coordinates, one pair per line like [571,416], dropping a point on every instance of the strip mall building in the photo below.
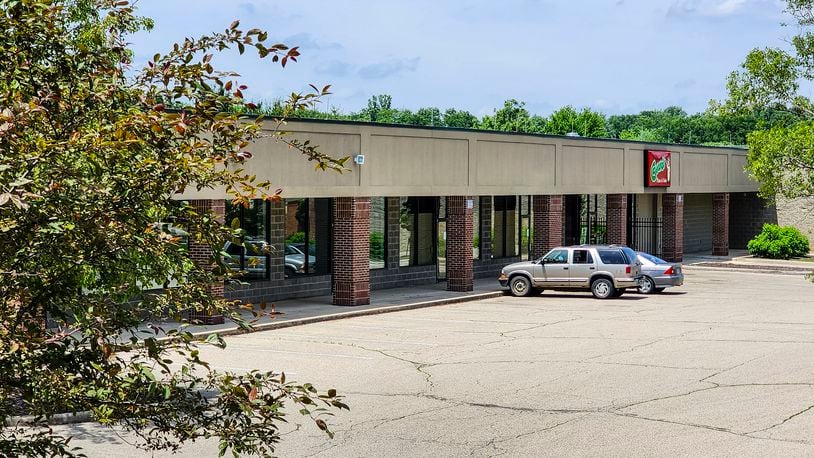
[426,205]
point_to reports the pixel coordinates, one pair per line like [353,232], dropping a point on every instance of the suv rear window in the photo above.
[631,255]
[612,257]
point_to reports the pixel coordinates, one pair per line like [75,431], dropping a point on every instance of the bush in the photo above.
[778,243]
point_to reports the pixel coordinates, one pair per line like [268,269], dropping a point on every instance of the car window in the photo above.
[630,254]
[652,259]
[583,257]
[612,257]
[291,250]
[556,257]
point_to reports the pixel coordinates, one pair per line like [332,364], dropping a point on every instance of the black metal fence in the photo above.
[644,234]
[593,231]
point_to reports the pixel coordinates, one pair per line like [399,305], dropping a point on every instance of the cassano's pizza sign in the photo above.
[657,168]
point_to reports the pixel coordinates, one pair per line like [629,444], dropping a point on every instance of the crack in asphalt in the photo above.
[796,414]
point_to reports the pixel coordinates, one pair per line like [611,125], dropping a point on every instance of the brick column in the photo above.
[201,254]
[277,242]
[720,224]
[547,224]
[459,244]
[672,212]
[351,244]
[617,219]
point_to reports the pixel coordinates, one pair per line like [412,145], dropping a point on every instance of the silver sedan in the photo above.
[658,274]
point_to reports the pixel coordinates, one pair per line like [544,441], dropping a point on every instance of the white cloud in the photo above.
[728,7]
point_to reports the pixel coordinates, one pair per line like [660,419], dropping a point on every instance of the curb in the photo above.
[352,314]
[85,416]
[762,270]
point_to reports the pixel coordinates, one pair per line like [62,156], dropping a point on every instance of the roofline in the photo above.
[498,132]
[348,122]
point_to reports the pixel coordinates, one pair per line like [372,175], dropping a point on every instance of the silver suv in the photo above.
[605,270]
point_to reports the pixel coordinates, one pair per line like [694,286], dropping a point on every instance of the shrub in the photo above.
[778,243]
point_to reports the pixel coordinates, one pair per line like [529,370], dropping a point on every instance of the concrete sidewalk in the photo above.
[293,312]
[741,259]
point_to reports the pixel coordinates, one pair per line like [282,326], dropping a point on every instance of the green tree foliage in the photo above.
[460,118]
[513,117]
[770,79]
[586,123]
[90,160]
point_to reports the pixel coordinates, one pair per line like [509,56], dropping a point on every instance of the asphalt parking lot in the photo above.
[723,366]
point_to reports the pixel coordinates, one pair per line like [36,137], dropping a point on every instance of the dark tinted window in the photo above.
[583,257]
[612,257]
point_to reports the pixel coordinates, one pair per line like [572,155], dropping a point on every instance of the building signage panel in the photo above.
[657,168]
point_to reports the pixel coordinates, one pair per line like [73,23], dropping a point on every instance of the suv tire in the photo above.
[602,288]
[520,286]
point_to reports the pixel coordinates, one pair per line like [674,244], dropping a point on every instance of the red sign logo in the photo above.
[657,168]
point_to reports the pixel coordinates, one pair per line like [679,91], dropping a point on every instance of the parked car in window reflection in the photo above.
[658,274]
[295,260]
[254,261]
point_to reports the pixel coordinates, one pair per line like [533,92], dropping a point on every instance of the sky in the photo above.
[614,56]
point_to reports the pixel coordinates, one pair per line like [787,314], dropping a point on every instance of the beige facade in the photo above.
[408,161]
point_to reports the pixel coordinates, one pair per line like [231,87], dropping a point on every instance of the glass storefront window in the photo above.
[525,227]
[416,230]
[505,226]
[307,236]
[378,232]
[249,253]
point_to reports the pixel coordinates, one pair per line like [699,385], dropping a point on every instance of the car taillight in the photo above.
[669,271]
[627,269]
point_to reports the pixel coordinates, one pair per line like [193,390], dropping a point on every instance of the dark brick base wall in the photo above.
[747,214]
[402,276]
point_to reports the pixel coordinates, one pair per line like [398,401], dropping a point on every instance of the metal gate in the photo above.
[593,231]
[644,234]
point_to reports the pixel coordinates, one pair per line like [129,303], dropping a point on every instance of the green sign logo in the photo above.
[656,168]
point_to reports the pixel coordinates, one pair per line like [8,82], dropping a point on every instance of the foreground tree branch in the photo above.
[92,153]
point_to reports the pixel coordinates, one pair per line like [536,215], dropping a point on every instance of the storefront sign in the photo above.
[657,168]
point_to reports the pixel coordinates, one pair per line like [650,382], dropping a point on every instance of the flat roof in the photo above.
[499,132]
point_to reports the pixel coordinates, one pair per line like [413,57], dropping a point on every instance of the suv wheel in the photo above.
[602,288]
[520,286]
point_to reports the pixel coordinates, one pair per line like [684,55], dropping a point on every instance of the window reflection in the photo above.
[378,215]
[307,237]
[250,252]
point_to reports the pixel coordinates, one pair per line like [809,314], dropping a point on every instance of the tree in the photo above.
[460,118]
[90,162]
[586,123]
[780,157]
[513,117]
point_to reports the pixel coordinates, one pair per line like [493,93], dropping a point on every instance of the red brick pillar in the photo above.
[547,224]
[201,254]
[672,212]
[720,224]
[459,243]
[351,245]
[617,219]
